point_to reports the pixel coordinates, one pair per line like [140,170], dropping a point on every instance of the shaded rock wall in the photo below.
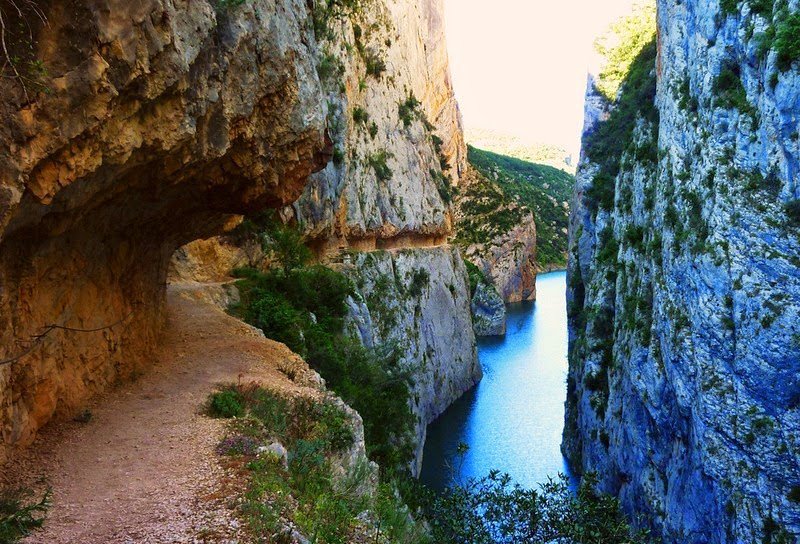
[684,294]
[162,118]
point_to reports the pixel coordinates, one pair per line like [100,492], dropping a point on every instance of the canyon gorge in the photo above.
[303,165]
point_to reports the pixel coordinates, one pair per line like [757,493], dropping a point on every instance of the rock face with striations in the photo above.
[162,118]
[418,300]
[383,204]
[684,278]
[498,236]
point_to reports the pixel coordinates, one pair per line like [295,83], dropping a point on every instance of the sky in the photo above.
[519,66]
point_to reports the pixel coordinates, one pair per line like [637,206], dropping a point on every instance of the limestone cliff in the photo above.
[498,235]
[399,153]
[418,299]
[150,123]
[396,130]
[684,277]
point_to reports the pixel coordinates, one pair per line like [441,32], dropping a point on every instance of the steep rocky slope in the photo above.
[511,220]
[684,288]
[399,150]
[418,300]
[148,124]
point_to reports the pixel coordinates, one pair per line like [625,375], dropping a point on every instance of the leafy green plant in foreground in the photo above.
[21,512]
[492,510]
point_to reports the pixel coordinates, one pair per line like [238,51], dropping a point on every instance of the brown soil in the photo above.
[143,469]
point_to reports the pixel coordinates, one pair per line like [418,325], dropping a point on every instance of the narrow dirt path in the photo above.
[143,470]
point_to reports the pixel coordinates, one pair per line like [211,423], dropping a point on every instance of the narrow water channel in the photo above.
[512,421]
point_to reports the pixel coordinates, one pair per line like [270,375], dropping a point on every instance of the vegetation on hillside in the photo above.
[520,148]
[511,189]
[628,80]
[304,307]
[621,46]
[303,488]
[493,510]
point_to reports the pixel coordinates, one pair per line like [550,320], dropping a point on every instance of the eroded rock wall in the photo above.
[419,301]
[386,201]
[684,293]
[161,118]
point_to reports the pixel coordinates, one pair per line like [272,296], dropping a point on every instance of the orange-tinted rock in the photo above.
[162,120]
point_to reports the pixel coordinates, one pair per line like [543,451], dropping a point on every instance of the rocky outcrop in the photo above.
[509,261]
[499,236]
[396,129]
[418,300]
[488,311]
[161,119]
[684,296]
[397,133]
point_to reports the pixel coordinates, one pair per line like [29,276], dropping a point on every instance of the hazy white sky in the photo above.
[519,66]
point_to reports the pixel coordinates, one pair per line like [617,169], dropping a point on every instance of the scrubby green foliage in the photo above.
[226,403]
[491,208]
[492,510]
[283,244]
[729,7]
[408,110]
[323,506]
[630,70]
[378,163]
[476,277]
[305,308]
[360,115]
[729,91]
[793,211]
[787,41]
[330,67]
[21,513]
[621,46]
[326,11]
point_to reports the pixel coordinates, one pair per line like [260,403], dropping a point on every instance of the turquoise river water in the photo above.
[512,421]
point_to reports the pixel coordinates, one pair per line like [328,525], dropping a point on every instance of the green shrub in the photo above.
[375,64]
[420,279]
[475,275]
[493,511]
[408,110]
[284,245]
[373,382]
[730,92]
[21,513]
[226,404]
[794,494]
[338,156]
[329,67]
[602,191]
[787,41]
[360,115]
[730,7]
[793,211]
[762,7]
[378,163]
